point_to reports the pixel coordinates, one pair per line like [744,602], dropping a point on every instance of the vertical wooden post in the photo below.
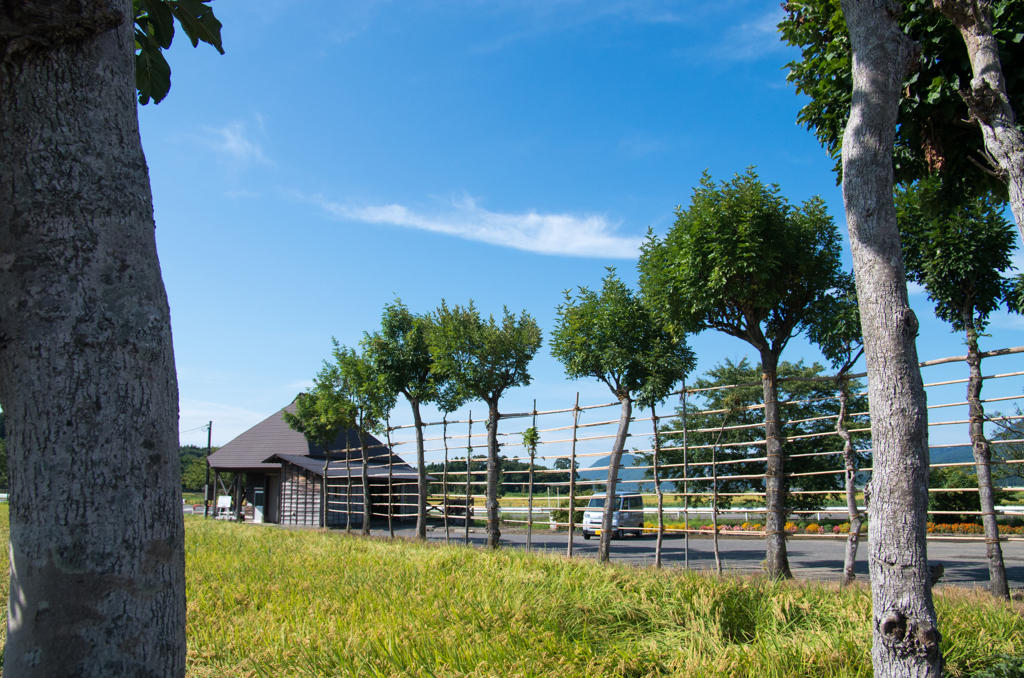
[238,497]
[391,485]
[529,499]
[206,489]
[444,478]
[216,480]
[686,487]
[657,489]
[469,464]
[572,476]
[348,487]
[714,496]
[323,491]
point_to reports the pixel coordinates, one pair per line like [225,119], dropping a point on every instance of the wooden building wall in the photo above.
[300,499]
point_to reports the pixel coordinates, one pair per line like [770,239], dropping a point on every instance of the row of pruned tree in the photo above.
[443,358]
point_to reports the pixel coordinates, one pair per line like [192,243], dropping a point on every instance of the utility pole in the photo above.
[206,493]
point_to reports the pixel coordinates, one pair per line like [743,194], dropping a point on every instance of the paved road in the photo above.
[964,562]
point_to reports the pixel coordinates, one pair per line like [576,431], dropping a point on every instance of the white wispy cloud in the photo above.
[558,234]
[235,144]
[750,40]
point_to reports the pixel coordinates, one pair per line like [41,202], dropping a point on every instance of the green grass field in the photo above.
[263,601]
[270,602]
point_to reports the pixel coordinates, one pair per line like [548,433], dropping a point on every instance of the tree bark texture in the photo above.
[998,584]
[905,637]
[987,100]
[87,378]
[852,510]
[604,549]
[493,531]
[421,474]
[776,557]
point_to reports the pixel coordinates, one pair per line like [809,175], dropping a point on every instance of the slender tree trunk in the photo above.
[987,100]
[999,586]
[572,477]
[906,640]
[493,532]
[391,482]
[87,378]
[469,488]
[444,480]
[777,560]
[367,509]
[348,486]
[421,473]
[657,489]
[529,500]
[605,547]
[850,462]
[714,504]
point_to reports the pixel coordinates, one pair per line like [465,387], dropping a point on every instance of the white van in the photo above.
[628,516]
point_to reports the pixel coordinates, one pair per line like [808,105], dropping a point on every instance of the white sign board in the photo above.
[224,501]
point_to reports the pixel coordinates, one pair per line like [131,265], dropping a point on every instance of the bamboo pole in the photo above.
[686,486]
[348,486]
[529,496]
[714,501]
[469,461]
[657,489]
[444,479]
[572,476]
[391,485]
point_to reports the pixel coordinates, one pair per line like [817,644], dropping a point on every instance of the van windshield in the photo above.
[598,502]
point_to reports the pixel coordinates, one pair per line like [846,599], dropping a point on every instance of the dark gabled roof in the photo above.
[377,469]
[250,450]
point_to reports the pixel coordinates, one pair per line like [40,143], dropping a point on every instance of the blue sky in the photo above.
[342,154]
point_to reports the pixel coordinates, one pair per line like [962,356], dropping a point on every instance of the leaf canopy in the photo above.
[959,249]
[742,260]
[400,354]
[933,131]
[364,387]
[323,413]
[483,358]
[613,337]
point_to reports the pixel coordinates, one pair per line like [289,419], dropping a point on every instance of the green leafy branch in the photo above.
[154,31]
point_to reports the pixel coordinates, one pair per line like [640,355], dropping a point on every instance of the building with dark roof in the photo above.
[280,475]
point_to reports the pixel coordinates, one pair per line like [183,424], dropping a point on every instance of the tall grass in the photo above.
[270,602]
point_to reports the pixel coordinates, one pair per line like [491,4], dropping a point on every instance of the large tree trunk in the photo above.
[604,549]
[421,473]
[987,100]
[87,379]
[777,560]
[906,641]
[493,532]
[852,510]
[999,586]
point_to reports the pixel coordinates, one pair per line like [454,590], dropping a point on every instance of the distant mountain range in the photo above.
[626,473]
[940,455]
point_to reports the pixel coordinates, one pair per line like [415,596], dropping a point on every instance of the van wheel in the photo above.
[617,534]
[586,535]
